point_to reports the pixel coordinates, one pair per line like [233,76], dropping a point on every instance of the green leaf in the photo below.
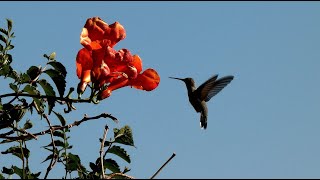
[58,133]
[56,143]
[48,158]
[5,70]
[123,136]
[38,103]
[28,124]
[117,150]
[9,24]
[31,90]
[73,162]
[93,166]
[1,176]
[58,67]
[17,151]
[33,176]
[58,79]
[61,118]
[1,49]
[9,58]
[18,171]
[7,171]
[48,89]
[10,47]
[112,165]
[4,31]
[24,78]
[33,72]
[126,169]
[52,56]
[13,87]
[3,39]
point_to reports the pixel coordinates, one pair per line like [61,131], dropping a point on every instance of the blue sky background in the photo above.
[264,124]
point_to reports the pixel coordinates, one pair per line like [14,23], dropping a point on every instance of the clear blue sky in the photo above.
[264,124]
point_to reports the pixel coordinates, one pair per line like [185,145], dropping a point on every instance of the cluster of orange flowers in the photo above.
[100,64]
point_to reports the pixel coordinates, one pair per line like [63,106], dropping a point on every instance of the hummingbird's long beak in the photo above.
[177,78]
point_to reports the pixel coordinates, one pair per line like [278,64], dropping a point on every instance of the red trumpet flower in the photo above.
[99,63]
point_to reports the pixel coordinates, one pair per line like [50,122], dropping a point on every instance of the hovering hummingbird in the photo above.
[198,97]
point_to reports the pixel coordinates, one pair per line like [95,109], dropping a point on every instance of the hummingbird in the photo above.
[199,96]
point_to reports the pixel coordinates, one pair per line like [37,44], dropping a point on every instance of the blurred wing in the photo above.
[217,87]
[203,90]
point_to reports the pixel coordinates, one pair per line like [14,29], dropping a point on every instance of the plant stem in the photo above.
[174,154]
[101,149]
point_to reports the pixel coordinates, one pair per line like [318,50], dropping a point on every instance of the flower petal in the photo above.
[83,62]
[116,34]
[137,63]
[96,28]
[116,84]
[148,80]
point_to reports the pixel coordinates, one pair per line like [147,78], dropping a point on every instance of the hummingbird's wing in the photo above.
[212,87]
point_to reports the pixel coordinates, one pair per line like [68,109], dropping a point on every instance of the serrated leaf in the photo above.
[48,158]
[58,67]
[28,124]
[9,21]
[17,151]
[3,39]
[33,72]
[112,165]
[31,90]
[117,150]
[4,31]
[123,136]
[61,118]
[7,171]
[59,80]
[13,87]
[52,56]
[48,89]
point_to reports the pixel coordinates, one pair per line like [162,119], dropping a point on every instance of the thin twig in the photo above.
[106,128]
[174,154]
[58,127]
[45,96]
[53,159]
[110,144]
[119,174]
[26,132]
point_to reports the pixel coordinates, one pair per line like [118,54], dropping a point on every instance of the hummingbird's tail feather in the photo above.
[203,118]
